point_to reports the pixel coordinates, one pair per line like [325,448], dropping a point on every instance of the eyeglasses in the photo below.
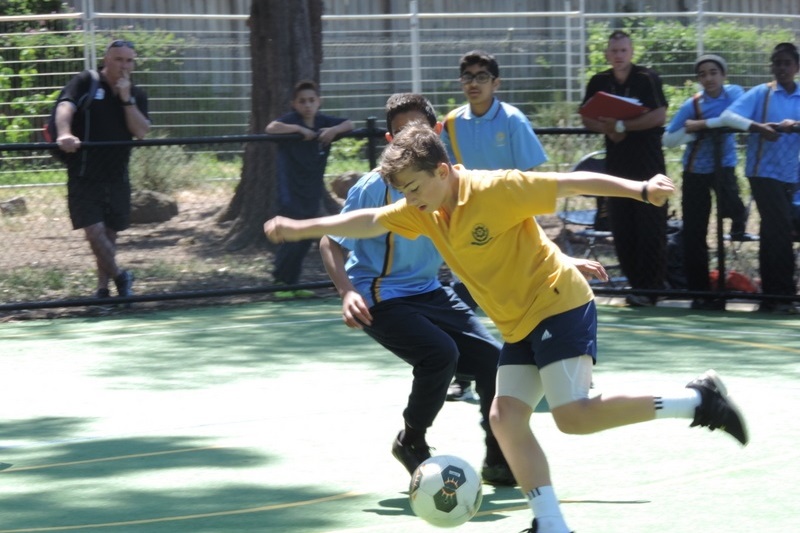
[480,77]
[121,44]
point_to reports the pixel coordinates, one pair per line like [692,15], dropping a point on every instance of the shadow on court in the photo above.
[275,417]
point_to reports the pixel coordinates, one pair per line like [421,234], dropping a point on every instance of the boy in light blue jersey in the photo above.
[771,113]
[699,113]
[485,133]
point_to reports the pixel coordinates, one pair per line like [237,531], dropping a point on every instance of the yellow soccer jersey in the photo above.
[516,274]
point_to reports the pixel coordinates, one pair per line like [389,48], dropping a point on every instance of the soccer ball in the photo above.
[445,491]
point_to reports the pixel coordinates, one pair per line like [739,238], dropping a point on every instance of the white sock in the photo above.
[544,504]
[681,406]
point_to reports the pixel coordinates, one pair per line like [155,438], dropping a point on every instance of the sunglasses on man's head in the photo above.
[121,44]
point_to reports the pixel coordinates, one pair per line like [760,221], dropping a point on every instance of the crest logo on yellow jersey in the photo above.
[480,235]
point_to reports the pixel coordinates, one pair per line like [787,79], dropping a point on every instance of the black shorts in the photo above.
[93,201]
[563,336]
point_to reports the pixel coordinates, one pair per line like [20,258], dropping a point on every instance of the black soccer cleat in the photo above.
[410,455]
[716,410]
[498,474]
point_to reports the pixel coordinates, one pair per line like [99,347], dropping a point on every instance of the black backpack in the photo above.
[50,132]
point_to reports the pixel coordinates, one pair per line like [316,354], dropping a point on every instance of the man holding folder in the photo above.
[631,115]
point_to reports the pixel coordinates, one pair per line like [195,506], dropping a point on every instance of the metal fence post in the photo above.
[372,147]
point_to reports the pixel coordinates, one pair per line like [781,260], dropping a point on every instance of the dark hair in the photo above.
[785,48]
[305,85]
[417,148]
[479,57]
[400,103]
[619,34]
[119,43]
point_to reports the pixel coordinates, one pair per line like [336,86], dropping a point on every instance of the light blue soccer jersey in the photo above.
[389,266]
[765,159]
[502,138]
[699,154]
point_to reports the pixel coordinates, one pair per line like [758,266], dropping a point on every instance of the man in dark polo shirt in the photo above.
[633,151]
[98,187]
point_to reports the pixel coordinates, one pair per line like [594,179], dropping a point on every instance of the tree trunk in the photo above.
[285,47]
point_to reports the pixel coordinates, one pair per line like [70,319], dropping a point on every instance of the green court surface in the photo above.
[276,417]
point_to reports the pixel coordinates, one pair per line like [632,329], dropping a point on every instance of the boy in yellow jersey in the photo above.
[482,224]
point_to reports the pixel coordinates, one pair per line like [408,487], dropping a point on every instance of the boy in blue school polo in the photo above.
[771,113]
[485,133]
[696,114]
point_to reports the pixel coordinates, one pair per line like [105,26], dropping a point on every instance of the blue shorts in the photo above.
[563,336]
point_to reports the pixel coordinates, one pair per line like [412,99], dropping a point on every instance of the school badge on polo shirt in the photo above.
[480,235]
[500,138]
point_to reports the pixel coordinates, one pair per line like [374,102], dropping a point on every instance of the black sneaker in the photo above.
[498,475]
[460,390]
[102,294]
[533,528]
[410,455]
[124,283]
[716,410]
[708,304]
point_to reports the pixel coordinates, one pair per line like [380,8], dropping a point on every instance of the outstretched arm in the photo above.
[656,190]
[358,224]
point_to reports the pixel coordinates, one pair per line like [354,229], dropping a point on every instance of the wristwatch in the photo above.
[131,101]
[619,127]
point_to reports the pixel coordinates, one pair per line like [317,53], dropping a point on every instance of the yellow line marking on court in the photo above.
[106,459]
[690,336]
[230,512]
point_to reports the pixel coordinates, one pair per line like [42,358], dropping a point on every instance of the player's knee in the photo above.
[573,418]
[507,412]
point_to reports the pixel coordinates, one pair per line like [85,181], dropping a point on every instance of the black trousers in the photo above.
[640,240]
[696,203]
[437,334]
[775,253]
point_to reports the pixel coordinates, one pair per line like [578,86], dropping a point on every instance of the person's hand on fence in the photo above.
[768,131]
[68,143]
[326,135]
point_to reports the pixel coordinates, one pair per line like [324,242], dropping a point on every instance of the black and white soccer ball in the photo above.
[445,491]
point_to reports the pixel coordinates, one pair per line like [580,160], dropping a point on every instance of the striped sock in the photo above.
[544,504]
[682,406]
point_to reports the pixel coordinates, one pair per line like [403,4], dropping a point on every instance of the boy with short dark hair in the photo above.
[301,172]
[483,225]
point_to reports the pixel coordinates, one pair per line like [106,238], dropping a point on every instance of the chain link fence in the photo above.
[176,245]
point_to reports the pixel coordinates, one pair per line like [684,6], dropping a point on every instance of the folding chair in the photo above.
[586,212]
[585,218]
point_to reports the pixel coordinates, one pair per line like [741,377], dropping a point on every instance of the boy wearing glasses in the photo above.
[486,134]
[98,187]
